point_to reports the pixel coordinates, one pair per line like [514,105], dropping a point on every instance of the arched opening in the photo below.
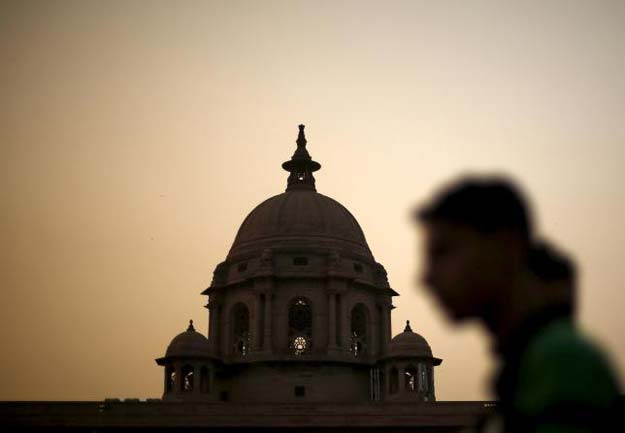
[358,333]
[187,378]
[410,377]
[204,380]
[300,326]
[393,380]
[170,379]
[241,329]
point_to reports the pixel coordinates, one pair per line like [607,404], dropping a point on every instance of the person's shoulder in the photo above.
[561,342]
[560,364]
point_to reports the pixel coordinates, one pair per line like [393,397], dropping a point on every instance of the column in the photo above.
[166,384]
[196,380]
[212,328]
[344,323]
[257,323]
[371,385]
[381,329]
[402,380]
[267,343]
[385,327]
[332,321]
[178,380]
[431,378]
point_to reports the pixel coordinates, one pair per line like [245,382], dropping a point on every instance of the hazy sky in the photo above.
[136,136]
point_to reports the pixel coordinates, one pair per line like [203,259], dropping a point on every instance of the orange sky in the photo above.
[136,136]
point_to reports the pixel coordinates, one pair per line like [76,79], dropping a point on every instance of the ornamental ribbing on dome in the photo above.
[188,344]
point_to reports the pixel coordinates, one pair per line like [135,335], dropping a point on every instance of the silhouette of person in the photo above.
[482,262]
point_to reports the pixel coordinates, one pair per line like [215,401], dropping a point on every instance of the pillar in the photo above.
[431,379]
[166,383]
[257,323]
[332,321]
[267,341]
[344,327]
[389,331]
[196,380]
[385,327]
[212,329]
[178,380]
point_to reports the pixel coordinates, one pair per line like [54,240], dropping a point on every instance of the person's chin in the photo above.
[456,315]
[453,313]
[456,318]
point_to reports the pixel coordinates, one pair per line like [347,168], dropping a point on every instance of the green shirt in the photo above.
[564,382]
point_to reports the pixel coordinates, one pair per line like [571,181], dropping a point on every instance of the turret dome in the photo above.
[189,343]
[410,344]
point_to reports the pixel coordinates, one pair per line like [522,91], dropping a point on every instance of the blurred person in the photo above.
[482,262]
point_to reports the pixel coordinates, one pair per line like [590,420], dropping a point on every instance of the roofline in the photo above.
[435,361]
[383,290]
[161,361]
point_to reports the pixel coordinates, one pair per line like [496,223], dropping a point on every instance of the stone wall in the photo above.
[212,417]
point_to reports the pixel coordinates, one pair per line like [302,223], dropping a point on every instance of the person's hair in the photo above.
[557,270]
[484,203]
[550,264]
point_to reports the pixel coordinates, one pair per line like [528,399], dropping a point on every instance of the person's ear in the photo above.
[512,242]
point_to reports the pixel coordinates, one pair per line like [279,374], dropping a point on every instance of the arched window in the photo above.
[358,333]
[410,376]
[241,329]
[300,326]
[204,380]
[170,377]
[393,380]
[187,378]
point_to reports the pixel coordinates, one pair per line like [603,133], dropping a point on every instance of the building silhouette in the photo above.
[299,337]
[299,311]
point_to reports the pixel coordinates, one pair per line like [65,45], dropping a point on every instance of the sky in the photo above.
[136,136]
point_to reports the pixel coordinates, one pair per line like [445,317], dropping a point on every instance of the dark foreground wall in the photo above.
[213,417]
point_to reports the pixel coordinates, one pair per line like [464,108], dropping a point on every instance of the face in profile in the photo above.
[462,268]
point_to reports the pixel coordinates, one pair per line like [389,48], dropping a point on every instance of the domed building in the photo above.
[299,311]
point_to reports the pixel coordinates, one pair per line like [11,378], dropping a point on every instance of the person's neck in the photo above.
[515,304]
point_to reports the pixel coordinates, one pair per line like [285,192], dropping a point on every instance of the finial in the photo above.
[190,328]
[301,166]
[408,328]
[301,137]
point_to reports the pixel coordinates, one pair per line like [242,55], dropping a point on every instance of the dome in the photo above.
[188,344]
[300,217]
[409,344]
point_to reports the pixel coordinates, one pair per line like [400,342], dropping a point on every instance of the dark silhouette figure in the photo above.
[482,262]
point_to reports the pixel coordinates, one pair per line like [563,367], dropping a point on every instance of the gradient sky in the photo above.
[136,136]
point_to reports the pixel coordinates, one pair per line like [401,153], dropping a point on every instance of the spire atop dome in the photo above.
[190,328]
[301,166]
[407,328]
[301,137]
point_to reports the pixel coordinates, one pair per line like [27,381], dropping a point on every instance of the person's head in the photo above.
[477,234]
[555,274]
